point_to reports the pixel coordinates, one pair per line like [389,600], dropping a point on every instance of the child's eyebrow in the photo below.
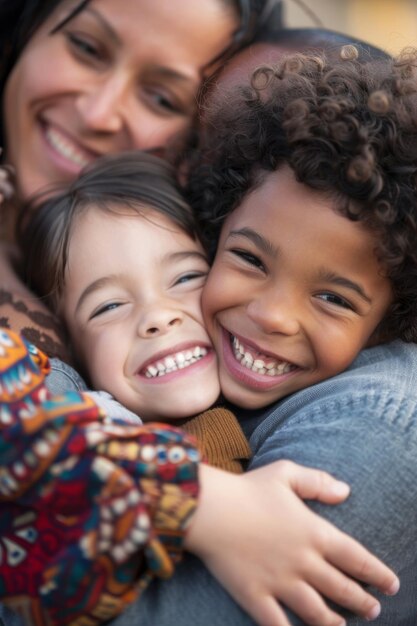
[186,254]
[94,286]
[260,242]
[342,281]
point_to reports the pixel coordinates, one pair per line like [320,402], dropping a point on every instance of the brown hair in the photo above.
[131,180]
[347,128]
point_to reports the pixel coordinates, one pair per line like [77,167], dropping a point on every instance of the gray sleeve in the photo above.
[63,377]
[113,409]
[9,618]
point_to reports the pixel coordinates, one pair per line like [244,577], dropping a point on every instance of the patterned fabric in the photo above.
[91,510]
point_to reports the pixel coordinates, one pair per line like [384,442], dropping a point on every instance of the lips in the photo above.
[173,362]
[254,369]
[69,152]
[177,359]
[258,362]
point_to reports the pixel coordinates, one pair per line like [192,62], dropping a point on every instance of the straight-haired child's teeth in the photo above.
[257,365]
[175,362]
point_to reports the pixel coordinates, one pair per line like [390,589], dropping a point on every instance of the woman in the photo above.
[69,118]
[86,78]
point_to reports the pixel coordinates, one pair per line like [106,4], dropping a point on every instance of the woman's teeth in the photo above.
[265,366]
[65,147]
[174,362]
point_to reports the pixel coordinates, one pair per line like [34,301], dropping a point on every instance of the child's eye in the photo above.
[332,298]
[111,306]
[249,258]
[186,278]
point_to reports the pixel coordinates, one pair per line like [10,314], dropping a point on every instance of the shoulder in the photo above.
[63,377]
[379,386]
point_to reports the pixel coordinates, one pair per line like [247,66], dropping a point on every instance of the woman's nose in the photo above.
[102,106]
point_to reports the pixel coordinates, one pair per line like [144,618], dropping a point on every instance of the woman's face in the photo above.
[120,75]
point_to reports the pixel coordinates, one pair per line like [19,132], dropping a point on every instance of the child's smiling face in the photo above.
[294,294]
[131,302]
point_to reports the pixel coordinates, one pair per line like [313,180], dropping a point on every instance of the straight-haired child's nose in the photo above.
[158,321]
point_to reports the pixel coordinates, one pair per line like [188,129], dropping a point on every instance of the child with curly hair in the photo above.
[307,190]
[311,204]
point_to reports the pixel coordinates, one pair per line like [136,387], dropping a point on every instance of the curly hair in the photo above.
[347,128]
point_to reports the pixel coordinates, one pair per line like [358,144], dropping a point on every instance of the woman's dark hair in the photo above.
[121,184]
[346,128]
[19,20]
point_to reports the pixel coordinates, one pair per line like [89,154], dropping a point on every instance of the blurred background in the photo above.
[389,24]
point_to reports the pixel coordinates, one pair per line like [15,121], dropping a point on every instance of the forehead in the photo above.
[289,213]
[186,31]
[236,73]
[120,229]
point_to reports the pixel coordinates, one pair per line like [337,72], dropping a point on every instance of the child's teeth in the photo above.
[180,360]
[272,368]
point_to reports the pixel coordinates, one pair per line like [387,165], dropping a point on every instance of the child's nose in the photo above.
[275,313]
[158,322]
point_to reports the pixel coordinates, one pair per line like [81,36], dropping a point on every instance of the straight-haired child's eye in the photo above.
[185,278]
[105,309]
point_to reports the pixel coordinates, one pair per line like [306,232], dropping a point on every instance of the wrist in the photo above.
[209,522]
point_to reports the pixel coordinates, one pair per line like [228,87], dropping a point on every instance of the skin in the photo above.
[119,76]
[136,308]
[294,294]
[222,495]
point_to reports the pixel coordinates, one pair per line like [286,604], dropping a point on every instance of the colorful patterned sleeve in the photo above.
[91,509]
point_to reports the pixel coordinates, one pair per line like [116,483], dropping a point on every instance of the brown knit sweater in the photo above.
[220,439]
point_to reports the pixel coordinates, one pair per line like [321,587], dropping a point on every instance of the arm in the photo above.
[372,448]
[90,510]
[362,426]
[22,311]
[286,554]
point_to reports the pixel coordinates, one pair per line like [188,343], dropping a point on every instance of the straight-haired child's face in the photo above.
[294,294]
[132,305]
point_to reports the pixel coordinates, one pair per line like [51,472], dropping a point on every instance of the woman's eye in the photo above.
[111,306]
[332,298]
[163,101]
[186,278]
[249,258]
[83,46]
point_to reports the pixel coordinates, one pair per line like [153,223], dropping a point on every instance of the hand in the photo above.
[265,545]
